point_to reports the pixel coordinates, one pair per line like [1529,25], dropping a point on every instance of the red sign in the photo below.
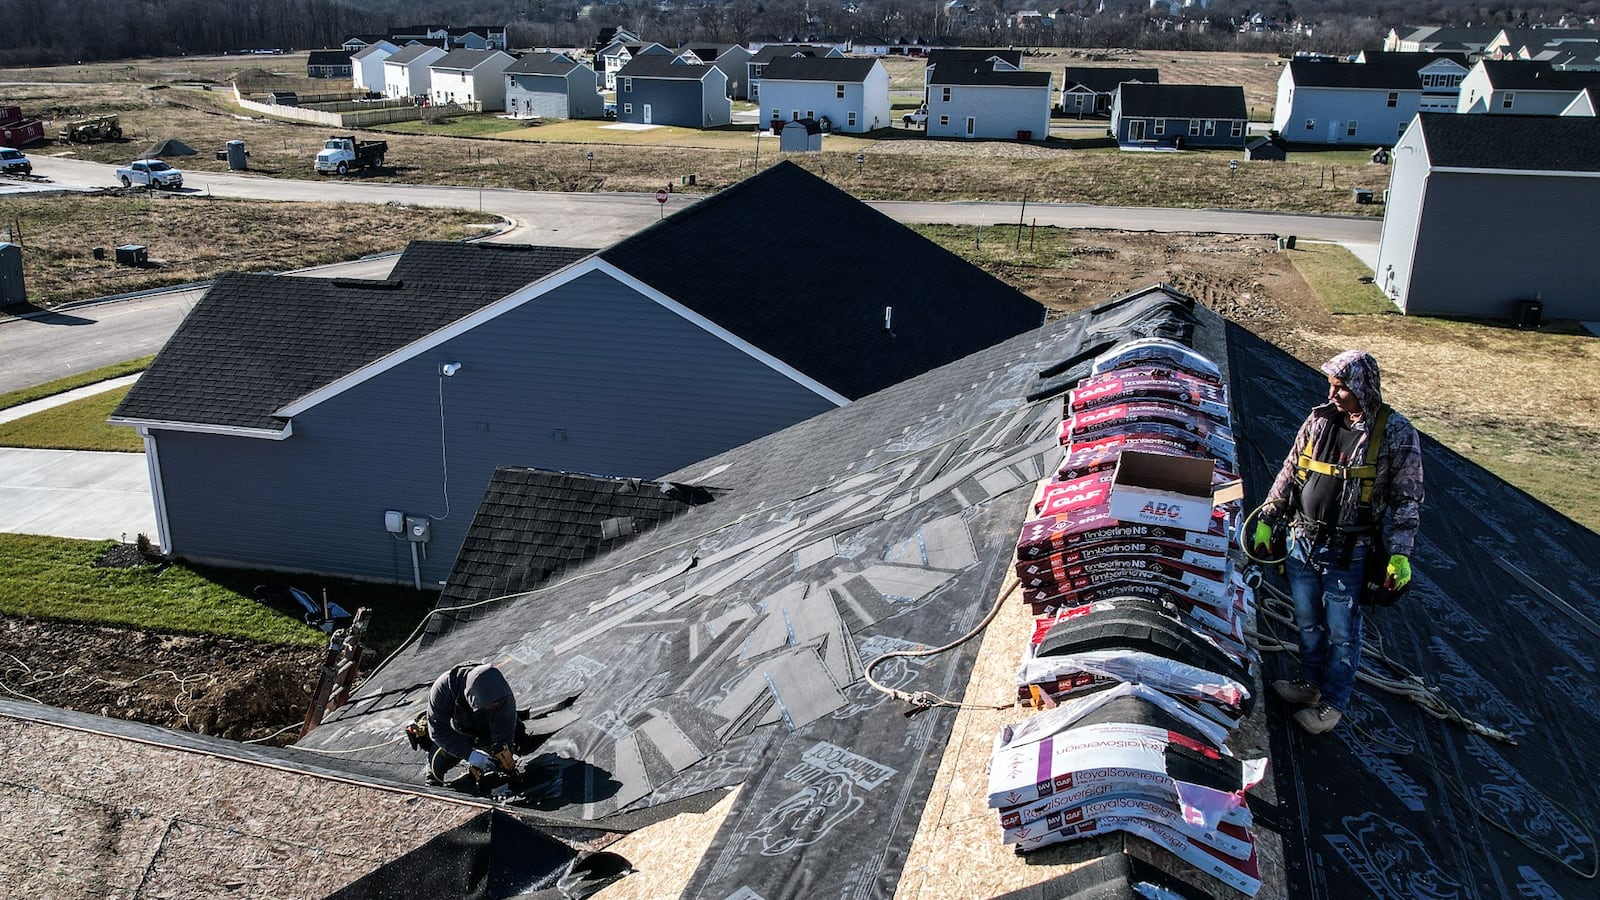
[661,195]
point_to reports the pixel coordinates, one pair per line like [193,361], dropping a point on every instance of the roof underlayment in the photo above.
[716,658]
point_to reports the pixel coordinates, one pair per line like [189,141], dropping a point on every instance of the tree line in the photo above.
[48,32]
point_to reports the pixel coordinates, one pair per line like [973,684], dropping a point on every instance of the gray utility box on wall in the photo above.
[12,289]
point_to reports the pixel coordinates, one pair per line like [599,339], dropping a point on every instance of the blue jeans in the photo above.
[1326,591]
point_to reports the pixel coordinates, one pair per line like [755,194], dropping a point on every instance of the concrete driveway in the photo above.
[74,493]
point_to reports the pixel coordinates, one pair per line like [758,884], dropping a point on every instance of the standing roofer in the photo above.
[472,716]
[1350,492]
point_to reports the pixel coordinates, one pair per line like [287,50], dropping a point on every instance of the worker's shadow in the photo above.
[43,316]
[553,782]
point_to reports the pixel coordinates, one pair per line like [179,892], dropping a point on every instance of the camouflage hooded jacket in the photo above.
[1397,490]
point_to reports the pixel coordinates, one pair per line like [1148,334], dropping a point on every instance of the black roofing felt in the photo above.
[828,324]
[725,645]
[533,524]
[1528,143]
[1193,101]
[1104,79]
[819,68]
[1504,619]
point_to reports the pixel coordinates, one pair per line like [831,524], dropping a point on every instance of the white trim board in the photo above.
[270,434]
[533,292]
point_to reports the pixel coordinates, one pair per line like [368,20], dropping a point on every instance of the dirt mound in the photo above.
[169,147]
[208,685]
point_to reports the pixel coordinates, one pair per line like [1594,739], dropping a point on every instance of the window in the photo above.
[1211,127]
[1506,103]
[944,120]
[627,85]
[1160,127]
[1350,128]
[627,108]
[1394,99]
[851,121]
[776,115]
[1238,129]
[794,114]
[811,114]
[1427,81]
[1311,124]
[1401,131]
[945,96]
[838,92]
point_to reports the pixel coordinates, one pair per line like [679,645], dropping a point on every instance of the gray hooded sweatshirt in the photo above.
[471,707]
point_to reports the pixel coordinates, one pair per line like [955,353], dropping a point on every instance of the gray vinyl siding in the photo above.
[590,378]
[679,102]
[1329,112]
[1485,241]
[553,97]
[997,112]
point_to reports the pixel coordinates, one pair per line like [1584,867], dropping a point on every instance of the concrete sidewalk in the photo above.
[74,493]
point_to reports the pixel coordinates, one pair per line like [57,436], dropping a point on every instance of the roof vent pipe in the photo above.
[888,318]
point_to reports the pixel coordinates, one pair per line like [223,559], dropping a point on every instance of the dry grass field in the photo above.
[186,99]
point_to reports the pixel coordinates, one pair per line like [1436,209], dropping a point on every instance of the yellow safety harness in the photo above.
[1367,472]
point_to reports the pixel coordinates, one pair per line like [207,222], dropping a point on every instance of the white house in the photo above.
[611,58]
[993,99]
[406,73]
[366,65]
[1519,87]
[1324,101]
[474,78]
[846,95]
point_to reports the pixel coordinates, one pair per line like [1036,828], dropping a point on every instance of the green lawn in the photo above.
[62,385]
[56,578]
[79,425]
[1342,282]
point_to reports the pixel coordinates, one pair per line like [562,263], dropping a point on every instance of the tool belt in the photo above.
[1341,539]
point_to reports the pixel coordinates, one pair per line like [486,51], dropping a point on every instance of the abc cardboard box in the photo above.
[1163,490]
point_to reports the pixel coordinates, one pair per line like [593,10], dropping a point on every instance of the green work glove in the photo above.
[1399,573]
[1262,539]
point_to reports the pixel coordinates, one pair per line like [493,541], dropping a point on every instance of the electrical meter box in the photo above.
[418,528]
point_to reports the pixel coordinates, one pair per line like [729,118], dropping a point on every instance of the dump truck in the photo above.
[341,154]
[94,128]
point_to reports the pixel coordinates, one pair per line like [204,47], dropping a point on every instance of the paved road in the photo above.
[40,348]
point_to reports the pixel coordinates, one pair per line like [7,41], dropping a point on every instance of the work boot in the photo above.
[1298,691]
[431,779]
[1318,719]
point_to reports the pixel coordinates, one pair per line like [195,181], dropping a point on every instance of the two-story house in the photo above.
[471,78]
[1364,103]
[847,95]
[552,86]
[662,89]
[993,99]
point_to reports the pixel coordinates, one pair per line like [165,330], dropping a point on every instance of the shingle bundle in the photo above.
[1138,648]
[1128,759]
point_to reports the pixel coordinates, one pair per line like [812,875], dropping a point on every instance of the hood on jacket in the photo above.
[483,686]
[1359,372]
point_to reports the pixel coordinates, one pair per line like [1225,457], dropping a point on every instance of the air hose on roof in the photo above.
[1247,528]
[924,700]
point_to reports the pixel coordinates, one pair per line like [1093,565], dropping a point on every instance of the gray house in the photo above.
[1367,104]
[552,86]
[661,89]
[349,427]
[1182,116]
[1485,212]
[1090,90]
[1521,87]
[732,59]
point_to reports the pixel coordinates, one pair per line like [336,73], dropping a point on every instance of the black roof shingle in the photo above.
[1529,143]
[1105,79]
[814,68]
[810,282]
[1193,101]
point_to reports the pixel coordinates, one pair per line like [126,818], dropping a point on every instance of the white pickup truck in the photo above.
[152,173]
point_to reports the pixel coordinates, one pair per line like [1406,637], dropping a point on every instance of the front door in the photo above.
[1135,131]
[647,114]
